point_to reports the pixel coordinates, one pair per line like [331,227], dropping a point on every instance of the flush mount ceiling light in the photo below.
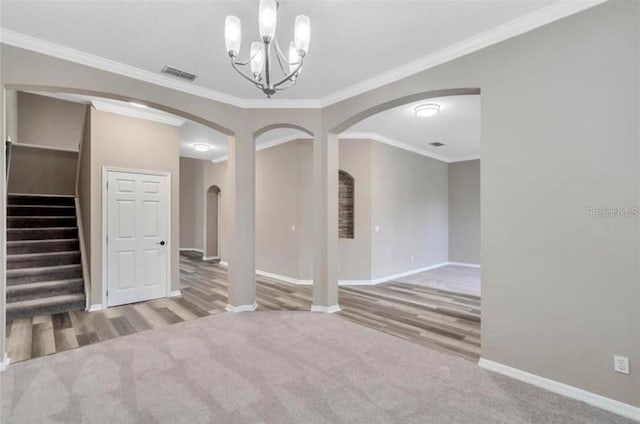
[201,147]
[427,109]
[262,51]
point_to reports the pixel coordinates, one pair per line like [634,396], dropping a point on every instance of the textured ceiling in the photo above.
[351,41]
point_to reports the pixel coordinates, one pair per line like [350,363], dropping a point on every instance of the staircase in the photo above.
[44,269]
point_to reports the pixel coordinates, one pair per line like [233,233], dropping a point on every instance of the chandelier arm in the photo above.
[282,88]
[245,63]
[248,78]
[280,57]
[290,75]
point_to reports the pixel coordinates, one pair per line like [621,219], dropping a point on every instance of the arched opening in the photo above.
[346,205]
[418,208]
[283,204]
[154,158]
[212,223]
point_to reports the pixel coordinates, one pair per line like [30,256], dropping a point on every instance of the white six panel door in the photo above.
[137,233]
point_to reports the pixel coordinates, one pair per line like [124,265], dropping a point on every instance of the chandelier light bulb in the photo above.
[294,57]
[427,109]
[302,33]
[267,18]
[232,34]
[257,58]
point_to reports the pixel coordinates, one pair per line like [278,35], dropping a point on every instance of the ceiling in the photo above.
[352,42]
[457,126]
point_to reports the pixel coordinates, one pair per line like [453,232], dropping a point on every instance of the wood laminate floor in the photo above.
[426,316]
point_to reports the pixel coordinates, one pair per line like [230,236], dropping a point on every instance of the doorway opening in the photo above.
[212,223]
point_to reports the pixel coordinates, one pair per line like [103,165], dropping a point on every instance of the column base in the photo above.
[325,309]
[242,308]
[4,363]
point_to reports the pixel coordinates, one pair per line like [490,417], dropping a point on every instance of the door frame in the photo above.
[105,203]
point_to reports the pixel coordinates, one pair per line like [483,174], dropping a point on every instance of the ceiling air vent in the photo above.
[437,144]
[178,73]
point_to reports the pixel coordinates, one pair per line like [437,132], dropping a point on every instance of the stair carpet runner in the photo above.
[44,269]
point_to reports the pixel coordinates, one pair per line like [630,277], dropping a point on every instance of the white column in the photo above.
[241,174]
[325,201]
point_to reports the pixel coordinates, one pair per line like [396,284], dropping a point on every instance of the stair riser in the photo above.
[18,277]
[40,201]
[23,234]
[44,310]
[37,262]
[40,222]
[37,211]
[68,288]
[44,247]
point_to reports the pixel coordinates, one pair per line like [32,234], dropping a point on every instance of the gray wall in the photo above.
[191,203]
[464,212]
[49,122]
[42,171]
[406,192]
[409,204]
[125,142]
[354,260]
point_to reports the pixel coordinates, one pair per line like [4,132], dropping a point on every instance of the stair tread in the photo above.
[41,217]
[42,229]
[41,269]
[42,285]
[44,301]
[42,206]
[27,242]
[40,255]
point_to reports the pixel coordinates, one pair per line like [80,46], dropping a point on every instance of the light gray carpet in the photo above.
[272,367]
[452,278]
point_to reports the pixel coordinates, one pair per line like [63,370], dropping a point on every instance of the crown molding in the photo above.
[391,142]
[134,112]
[533,20]
[351,136]
[267,145]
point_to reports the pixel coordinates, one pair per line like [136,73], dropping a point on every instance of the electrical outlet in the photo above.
[293,228]
[412,259]
[377,228]
[621,364]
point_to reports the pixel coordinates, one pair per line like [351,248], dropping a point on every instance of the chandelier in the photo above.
[261,53]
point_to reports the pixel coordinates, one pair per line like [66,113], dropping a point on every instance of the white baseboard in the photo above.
[191,249]
[242,308]
[175,293]
[284,278]
[5,362]
[96,307]
[325,309]
[390,277]
[468,265]
[611,405]
[210,258]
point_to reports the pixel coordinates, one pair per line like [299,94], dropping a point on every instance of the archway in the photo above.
[94,293]
[283,203]
[402,223]
[212,234]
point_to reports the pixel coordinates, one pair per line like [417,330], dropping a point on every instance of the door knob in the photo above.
[162,243]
